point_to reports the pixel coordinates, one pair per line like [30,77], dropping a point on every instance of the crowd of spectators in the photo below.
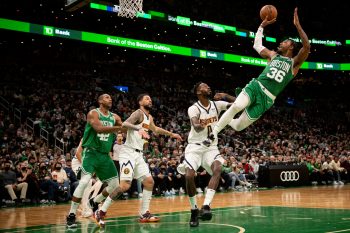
[35,171]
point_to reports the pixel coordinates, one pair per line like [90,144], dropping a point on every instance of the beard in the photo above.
[148,107]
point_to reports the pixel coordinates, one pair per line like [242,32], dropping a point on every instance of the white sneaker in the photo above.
[140,195]
[167,193]
[335,183]
[181,169]
[248,184]
[199,190]
[172,192]
[181,191]
[340,182]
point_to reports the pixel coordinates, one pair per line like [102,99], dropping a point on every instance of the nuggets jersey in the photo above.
[133,138]
[209,116]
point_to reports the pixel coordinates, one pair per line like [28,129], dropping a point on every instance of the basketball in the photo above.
[268,10]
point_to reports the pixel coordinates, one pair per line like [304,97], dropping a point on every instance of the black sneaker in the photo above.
[210,139]
[205,213]
[92,205]
[71,221]
[194,218]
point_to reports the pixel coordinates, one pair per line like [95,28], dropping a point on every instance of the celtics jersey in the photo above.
[101,142]
[277,74]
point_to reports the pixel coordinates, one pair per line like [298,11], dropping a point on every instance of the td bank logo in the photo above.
[202,53]
[319,65]
[48,31]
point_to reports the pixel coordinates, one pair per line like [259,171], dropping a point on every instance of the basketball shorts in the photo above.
[94,161]
[132,164]
[197,155]
[259,101]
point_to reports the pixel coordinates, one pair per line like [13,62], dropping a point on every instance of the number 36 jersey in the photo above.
[277,74]
[101,142]
[207,115]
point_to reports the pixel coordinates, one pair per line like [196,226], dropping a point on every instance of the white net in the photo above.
[129,8]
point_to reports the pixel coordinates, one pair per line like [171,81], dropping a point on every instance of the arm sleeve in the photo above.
[258,40]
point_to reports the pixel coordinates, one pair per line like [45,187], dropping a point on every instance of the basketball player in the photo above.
[97,143]
[132,163]
[204,115]
[259,95]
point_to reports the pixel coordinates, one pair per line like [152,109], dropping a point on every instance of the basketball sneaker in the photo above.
[148,217]
[99,216]
[92,205]
[205,213]
[210,139]
[70,221]
[194,218]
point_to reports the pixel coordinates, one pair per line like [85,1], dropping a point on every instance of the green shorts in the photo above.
[259,101]
[100,163]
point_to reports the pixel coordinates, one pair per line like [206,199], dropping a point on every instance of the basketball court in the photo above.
[305,209]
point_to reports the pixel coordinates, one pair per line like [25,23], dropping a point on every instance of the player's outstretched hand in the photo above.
[219,96]
[267,22]
[176,136]
[144,134]
[296,17]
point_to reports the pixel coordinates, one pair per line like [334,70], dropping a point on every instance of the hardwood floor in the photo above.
[328,197]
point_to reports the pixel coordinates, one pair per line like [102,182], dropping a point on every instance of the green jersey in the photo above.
[277,74]
[101,142]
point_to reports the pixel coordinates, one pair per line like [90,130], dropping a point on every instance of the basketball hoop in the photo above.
[130,8]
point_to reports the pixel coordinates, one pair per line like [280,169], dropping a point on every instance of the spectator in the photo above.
[10,183]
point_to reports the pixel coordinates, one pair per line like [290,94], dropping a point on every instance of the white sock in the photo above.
[146,199]
[106,204]
[99,198]
[74,207]
[209,196]
[193,202]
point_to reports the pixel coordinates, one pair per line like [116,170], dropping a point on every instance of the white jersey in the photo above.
[116,151]
[209,116]
[133,138]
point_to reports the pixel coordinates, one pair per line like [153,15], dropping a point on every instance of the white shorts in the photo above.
[132,164]
[200,155]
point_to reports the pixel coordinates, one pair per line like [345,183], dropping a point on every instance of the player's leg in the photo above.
[126,175]
[242,122]
[143,174]
[192,162]
[88,169]
[77,196]
[241,102]
[212,163]
[106,172]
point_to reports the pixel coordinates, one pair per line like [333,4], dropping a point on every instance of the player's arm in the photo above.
[193,114]
[305,50]
[159,130]
[119,122]
[92,119]
[79,150]
[264,52]
[224,97]
[133,123]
